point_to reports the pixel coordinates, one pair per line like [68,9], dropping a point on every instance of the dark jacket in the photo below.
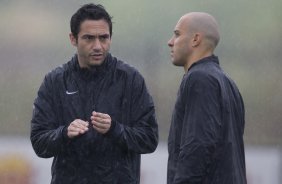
[206,135]
[68,93]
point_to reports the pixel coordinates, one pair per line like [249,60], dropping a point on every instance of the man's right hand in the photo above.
[77,127]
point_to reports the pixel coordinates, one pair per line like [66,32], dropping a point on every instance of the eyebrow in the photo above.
[106,35]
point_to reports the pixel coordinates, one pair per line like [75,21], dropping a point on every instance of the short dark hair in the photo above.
[89,12]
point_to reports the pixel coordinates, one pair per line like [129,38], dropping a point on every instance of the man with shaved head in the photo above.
[205,141]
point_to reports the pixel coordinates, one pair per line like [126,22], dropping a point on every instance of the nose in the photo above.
[97,45]
[170,42]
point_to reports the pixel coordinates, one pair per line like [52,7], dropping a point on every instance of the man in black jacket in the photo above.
[94,114]
[205,142]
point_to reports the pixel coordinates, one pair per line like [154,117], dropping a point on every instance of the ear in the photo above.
[73,39]
[196,40]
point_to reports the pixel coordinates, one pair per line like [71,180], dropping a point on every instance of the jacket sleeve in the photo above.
[201,128]
[141,135]
[46,135]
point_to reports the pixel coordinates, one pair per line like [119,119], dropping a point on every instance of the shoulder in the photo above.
[205,71]
[55,73]
[124,66]
[198,76]
[58,73]
[201,78]
[126,69]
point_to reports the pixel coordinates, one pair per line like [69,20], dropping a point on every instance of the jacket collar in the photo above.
[211,58]
[93,72]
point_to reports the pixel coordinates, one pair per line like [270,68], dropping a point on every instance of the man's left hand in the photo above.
[101,122]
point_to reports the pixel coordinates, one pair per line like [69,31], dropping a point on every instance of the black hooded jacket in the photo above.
[68,93]
[206,135]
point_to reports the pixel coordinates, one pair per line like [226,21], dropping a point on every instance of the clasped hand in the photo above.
[101,123]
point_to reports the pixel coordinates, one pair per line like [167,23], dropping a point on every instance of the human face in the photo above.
[93,42]
[180,49]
